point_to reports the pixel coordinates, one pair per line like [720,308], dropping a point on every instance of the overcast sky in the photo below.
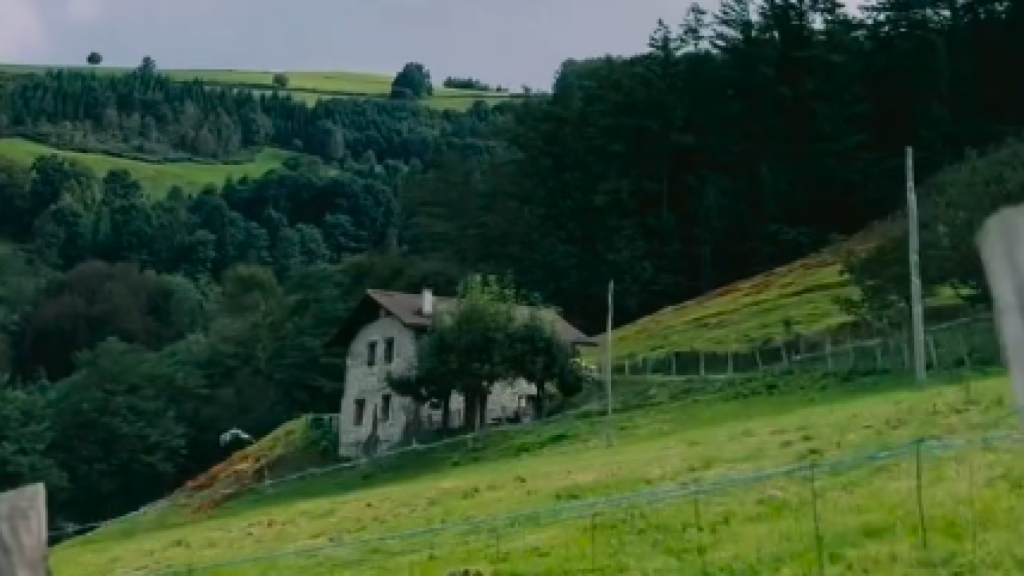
[508,42]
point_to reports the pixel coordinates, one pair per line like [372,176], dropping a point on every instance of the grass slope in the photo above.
[156,179]
[742,315]
[289,449]
[868,521]
[754,312]
[306,85]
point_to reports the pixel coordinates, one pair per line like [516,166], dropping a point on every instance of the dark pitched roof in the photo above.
[407,309]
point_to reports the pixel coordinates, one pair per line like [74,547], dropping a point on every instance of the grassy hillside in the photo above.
[309,86]
[290,449]
[867,518]
[753,310]
[756,311]
[157,179]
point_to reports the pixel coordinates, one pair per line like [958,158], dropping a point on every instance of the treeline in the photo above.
[130,326]
[953,208]
[148,114]
[471,84]
[165,365]
[742,140]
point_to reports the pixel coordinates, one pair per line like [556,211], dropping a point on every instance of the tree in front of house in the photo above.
[412,83]
[536,354]
[485,340]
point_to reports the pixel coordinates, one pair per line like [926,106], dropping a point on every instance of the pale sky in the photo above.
[508,42]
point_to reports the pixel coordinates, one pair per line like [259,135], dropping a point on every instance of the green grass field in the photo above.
[868,519]
[742,315]
[755,312]
[156,179]
[306,85]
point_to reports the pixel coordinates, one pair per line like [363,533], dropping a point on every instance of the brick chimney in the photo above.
[427,302]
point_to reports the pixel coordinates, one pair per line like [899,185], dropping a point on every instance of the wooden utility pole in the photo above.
[916,297]
[23,532]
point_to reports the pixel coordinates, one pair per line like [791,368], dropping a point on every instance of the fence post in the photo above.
[878,355]
[702,552]
[672,363]
[593,542]
[729,363]
[700,359]
[23,532]
[497,544]
[757,357]
[973,511]
[964,350]
[785,355]
[919,490]
[819,544]
[828,353]
[931,350]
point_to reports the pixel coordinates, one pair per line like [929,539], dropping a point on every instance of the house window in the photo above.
[360,412]
[385,408]
[371,353]
[389,350]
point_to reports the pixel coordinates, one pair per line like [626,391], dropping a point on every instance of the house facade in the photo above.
[381,339]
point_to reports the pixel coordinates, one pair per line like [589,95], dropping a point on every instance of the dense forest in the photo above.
[741,140]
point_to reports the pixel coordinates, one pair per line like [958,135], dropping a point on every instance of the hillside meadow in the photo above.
[801,298]
[156,178]
[308,86]
[433,511]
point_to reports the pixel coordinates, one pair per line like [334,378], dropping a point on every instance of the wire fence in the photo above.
[269,483]
[696,391]
[969,343]
[931,506]
[964,343]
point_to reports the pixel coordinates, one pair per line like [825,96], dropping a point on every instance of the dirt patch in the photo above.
[286,449]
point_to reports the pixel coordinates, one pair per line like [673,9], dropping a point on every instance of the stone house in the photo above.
[381,337]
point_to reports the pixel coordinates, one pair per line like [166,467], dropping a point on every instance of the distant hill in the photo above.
[756,311]
[308,86]
[156,178]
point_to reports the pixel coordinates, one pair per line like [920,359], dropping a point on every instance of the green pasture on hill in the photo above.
[156,178]
[861,519]
[797,299]
[743,315]
[309,86]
